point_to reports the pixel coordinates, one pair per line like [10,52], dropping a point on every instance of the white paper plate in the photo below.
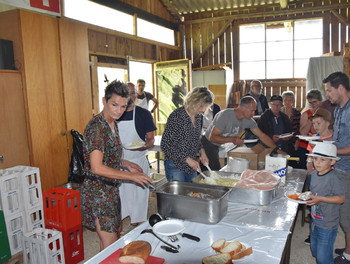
[295,201]
[251,140]
[285,135]
[169,227]
[135,145]
[246,258]
[308,138]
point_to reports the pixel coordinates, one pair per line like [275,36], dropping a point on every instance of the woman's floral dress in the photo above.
[100,195]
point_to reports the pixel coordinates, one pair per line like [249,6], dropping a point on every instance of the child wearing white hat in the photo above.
[329,194]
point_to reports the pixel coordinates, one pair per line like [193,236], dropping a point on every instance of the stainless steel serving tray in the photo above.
[248,196]
[173,200]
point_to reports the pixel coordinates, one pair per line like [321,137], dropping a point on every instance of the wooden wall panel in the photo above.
[75,75]
[152,6]
[13,130]
[45,99]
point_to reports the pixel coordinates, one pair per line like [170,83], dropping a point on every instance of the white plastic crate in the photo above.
[43,246]
[34,218]
[10,193]
[30,184]
[15,225]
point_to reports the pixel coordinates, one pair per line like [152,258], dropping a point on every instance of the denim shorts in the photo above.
[173,173]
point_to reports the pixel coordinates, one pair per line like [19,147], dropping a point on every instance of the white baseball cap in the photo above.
[324,150]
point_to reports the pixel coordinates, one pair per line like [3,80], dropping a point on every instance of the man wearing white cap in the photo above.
[338,91]
[328,194]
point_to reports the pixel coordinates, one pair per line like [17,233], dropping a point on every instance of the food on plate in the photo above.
[293,196]
[236,249]
[199,195]
[300,196]
[136,252]
[260,180]
[222,258]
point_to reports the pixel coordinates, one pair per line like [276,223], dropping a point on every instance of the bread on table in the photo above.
[136,252]
[222,258]
[244,252]
[232,248]
[236,249]
[219,244]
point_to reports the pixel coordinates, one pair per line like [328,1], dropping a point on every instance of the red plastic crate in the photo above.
[62,208]
[73,244]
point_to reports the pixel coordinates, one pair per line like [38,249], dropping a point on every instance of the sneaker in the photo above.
[339,251]
[341,260]
[307,241]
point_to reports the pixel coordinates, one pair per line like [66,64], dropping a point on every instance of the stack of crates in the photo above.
[5,253]
[21,203]
[43,246]
[62,212]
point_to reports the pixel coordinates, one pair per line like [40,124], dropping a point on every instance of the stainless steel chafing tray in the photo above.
[174,200]
[248,196]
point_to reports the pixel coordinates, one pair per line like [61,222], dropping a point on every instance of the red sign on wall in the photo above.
[49,5]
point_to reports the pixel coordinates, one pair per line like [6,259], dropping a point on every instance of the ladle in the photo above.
[206,178]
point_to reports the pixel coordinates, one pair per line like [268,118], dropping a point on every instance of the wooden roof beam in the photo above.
[341,18]
[274,13]
[218,35]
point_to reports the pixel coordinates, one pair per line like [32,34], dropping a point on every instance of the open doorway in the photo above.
[106,75]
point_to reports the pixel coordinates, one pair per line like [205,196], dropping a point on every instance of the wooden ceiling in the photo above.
[186,7]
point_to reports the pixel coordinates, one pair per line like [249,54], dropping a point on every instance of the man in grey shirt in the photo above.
[226,127]
[338,91]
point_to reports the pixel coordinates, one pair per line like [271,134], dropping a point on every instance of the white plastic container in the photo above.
[277,164]
[43,246]
[10,194]
[15,225]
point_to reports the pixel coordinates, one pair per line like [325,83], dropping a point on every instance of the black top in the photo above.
[181,139]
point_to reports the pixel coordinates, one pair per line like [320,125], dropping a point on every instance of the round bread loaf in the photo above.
[136,252]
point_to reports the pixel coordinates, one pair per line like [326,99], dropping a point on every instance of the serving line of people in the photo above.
[107,168]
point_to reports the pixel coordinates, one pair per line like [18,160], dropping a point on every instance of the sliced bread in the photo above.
[232,248]
[222,258]
[219,244]
[244,252]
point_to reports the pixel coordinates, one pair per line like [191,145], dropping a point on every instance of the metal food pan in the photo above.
[252,196]
[173,200]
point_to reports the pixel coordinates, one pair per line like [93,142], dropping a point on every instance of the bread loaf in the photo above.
[136,252]
[222,258]
[219,244]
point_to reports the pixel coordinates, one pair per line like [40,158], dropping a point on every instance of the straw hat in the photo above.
[324,150]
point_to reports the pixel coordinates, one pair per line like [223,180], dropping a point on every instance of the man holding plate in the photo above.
[277,125]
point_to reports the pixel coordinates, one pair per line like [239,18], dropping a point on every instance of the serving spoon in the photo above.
[206,178]
[166,243]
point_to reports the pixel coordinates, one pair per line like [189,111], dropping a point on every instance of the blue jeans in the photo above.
[322,244]
[173,173]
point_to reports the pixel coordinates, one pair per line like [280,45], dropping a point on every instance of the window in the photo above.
[279,49]
[155,32]
[92,13]
[141,70]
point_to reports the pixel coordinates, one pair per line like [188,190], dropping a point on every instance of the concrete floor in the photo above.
[300,253]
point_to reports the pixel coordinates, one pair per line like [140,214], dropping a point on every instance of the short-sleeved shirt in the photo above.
[341,134]
[148,95]
[144,122]
[226,121]
[326,215]
[181,139]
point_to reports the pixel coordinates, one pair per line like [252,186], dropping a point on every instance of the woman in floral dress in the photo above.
[105,167]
